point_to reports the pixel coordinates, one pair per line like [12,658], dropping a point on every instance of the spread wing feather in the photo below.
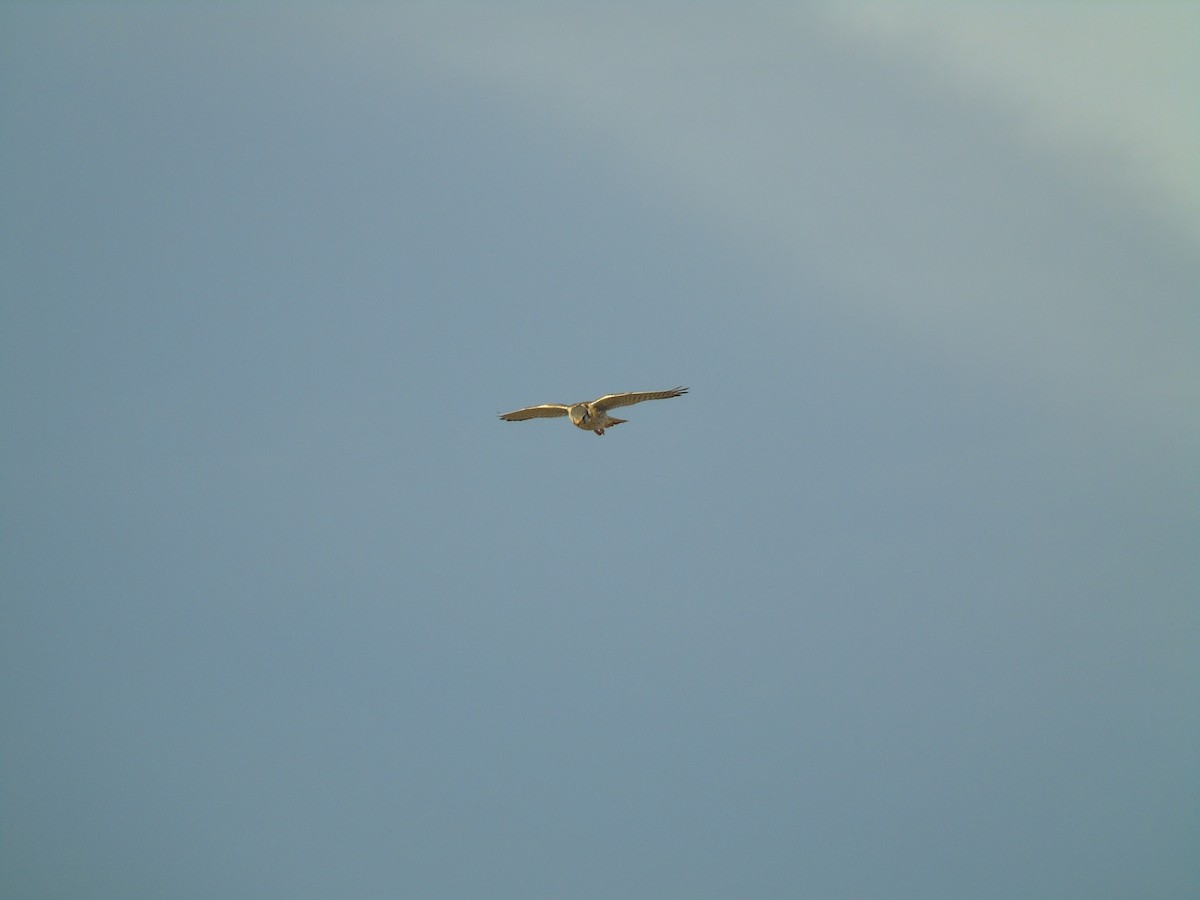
[545,411]
[612,401]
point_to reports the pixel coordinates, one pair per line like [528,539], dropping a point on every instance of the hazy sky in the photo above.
[901,600]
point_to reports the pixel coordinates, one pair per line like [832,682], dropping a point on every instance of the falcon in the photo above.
[591,416]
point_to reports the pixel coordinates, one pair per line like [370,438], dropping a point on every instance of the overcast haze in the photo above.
[901,600]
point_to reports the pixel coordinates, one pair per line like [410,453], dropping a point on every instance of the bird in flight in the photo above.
[591,416]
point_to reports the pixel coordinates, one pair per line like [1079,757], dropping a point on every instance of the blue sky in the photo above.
[899,600]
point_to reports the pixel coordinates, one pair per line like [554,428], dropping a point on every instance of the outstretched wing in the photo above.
[612,401]
[545,411]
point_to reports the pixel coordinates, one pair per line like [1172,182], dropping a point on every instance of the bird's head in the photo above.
[579,414]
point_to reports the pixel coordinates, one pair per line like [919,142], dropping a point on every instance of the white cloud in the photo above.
[1111,85]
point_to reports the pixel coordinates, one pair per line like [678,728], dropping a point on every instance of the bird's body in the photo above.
[591,415]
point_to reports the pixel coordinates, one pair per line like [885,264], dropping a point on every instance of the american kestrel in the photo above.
[591,416]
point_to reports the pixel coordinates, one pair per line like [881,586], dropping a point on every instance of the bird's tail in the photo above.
[611,422]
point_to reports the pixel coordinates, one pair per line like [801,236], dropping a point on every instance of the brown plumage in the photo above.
[590,416]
